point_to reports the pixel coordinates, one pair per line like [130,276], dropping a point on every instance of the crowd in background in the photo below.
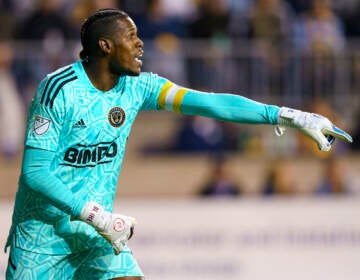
[279,178]
[38,36]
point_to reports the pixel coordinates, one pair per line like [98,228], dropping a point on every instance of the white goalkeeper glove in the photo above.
[317,127]
[115,228]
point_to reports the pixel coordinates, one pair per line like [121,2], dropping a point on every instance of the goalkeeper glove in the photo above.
[317,127]
[115,228]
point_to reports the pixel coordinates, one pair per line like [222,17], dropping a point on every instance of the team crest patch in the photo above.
[116,116]
[41,125]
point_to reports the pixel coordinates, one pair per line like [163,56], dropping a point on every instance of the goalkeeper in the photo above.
[63,226]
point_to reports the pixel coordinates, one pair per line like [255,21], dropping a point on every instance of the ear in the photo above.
[105,45]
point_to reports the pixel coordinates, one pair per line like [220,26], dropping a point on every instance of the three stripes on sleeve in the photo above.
[170,98]
[55,83]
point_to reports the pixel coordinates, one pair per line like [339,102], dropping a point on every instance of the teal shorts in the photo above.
[96,263]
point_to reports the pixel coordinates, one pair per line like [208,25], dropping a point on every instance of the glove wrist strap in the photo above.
[286,117]
[93,214]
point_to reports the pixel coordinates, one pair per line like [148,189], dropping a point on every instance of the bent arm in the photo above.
[37,176]
[221,106]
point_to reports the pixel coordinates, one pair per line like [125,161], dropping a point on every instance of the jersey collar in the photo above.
[118,88]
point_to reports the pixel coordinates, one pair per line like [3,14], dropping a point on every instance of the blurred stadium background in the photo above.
[215,200]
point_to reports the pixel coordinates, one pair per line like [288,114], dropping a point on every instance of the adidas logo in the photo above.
[79,124]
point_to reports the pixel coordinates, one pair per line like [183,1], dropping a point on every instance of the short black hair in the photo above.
[96,25]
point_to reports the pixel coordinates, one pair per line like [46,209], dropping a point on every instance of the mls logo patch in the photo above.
[41,125]
[116,116]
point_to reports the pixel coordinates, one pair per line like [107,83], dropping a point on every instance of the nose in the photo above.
[139,43]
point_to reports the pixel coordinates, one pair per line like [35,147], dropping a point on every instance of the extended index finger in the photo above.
[338,133]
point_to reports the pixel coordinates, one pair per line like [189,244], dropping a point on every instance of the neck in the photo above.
[99,74]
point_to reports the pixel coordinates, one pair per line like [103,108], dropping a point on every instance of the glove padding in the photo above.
[115,228]
[317,127]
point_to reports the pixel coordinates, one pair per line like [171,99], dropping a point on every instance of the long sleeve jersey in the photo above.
[75,142]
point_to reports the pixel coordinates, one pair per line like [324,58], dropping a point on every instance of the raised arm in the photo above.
[236,108]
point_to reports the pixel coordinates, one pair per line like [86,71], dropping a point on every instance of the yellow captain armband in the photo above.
[171,96]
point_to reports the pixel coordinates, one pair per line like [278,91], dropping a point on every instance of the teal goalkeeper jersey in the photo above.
[87,129]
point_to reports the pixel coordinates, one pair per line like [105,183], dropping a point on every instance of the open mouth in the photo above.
[139,56]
